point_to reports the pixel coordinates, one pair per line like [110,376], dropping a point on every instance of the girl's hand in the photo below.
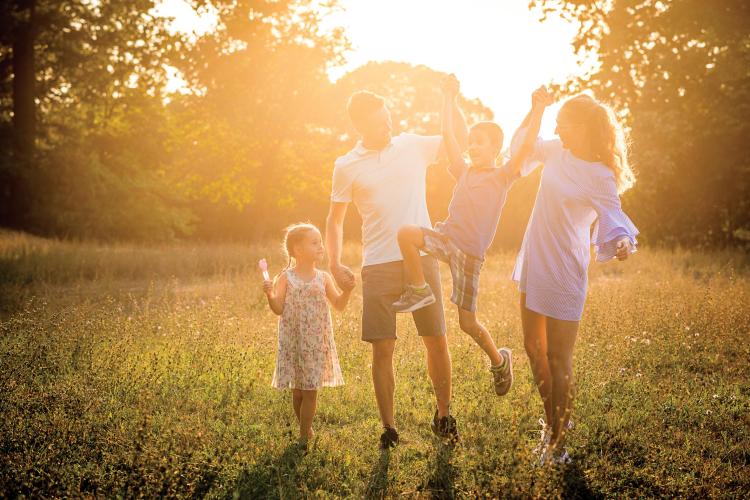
[344,277]
[624,249]
[268,287]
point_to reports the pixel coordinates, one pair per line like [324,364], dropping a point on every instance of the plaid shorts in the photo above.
[465,268]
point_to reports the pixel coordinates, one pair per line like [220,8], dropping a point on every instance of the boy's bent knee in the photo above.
[470,326]
[467,321]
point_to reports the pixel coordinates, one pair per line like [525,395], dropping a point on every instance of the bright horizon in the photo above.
[499,50]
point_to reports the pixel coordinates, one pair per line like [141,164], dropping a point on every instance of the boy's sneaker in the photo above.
[414,298]
[445,428]
[502,375]
[389,438]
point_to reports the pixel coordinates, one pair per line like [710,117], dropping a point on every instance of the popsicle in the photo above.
[263,265]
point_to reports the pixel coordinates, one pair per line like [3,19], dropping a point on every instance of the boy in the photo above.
[473,214]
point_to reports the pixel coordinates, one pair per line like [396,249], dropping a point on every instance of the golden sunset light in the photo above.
[499,50]
[439,249]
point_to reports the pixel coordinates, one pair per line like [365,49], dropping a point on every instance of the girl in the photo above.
[585,171]
[306,359]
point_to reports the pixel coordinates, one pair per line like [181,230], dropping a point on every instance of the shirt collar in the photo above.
[363,151]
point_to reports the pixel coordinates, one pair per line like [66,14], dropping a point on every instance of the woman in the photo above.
[585,171]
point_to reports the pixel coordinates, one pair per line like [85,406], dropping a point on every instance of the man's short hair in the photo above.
[493,131]
[362,104]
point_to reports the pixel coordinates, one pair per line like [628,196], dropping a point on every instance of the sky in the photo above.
[498,49]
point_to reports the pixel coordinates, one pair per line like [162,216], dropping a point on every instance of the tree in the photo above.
[678,72]
[17,54]
[80,116]
[247,143]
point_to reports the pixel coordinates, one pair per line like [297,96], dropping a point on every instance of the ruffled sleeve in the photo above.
[612,224]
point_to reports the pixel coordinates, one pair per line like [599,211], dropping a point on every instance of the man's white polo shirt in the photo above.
[388,189]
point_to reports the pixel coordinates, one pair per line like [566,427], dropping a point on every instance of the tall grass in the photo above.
[145,371]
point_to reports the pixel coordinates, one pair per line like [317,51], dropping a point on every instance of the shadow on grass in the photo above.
[442,475]
[378,485]
[269,477]
[575,484]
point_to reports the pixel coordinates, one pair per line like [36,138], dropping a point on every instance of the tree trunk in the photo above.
[17,193]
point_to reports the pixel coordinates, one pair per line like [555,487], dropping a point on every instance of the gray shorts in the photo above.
[382,284]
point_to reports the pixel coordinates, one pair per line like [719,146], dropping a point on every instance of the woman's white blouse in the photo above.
[552,265]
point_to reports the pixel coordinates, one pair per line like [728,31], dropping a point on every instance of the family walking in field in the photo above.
[584,172]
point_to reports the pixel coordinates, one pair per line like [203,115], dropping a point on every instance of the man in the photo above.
[385,177]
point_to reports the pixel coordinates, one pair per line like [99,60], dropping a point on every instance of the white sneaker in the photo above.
[544,438]
[546,433]
[548,456]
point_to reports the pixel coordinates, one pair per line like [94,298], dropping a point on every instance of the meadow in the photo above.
[143,371]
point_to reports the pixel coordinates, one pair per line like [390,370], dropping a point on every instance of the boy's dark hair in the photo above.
[493,131]
[362,104]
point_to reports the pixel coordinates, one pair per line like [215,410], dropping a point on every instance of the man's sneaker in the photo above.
[445,428]
[389,438]
[413,299]
[502,376]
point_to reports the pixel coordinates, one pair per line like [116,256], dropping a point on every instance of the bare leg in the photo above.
[561,338]
[410,240]
[439,369]
[469,324]
[383,379]
[535,342]
[297,402]
[307,412]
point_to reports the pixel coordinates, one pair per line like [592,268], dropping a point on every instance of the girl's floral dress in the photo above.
[306,356]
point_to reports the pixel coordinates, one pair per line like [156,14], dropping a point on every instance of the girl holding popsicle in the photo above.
[306,359]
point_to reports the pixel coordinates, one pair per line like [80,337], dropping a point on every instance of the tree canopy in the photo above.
[679,71]
[93,146]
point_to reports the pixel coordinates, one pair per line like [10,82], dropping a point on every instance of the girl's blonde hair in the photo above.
[607,138]
[293,235]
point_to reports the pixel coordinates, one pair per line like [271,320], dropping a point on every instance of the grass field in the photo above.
[145,371]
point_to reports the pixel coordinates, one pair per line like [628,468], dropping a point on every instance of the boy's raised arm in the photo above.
[453,150]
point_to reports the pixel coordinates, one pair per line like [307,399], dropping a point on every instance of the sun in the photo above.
[498,49]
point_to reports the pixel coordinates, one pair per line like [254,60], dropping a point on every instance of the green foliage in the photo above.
[250,148]
[99,166]
[679,70]
[145,371]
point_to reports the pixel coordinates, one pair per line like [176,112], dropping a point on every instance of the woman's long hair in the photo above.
[607,138]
